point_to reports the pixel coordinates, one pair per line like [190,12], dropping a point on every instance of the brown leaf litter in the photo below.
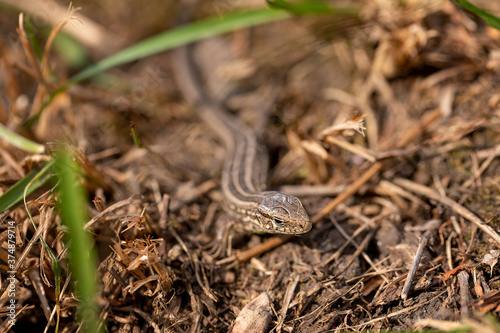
[388,128]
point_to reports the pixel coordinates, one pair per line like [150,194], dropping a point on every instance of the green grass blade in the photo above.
[31,121]
[72,206]
[20,141]
[314,7]
[488,18]
[15,194]
[74,53]
[30,32]
[190,33]
[183,35]
[302,7]
[56,265]
[135,136]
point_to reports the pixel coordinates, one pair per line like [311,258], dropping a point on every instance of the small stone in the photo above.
[255,316]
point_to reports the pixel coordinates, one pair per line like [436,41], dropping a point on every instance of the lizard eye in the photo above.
[279,222]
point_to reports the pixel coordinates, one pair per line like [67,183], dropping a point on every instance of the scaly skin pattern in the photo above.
[243,178]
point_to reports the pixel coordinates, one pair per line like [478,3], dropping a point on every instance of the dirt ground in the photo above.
[387,126]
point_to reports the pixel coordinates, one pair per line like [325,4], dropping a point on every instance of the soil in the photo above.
[387,126]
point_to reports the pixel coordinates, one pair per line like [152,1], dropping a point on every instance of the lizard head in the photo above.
[281,213]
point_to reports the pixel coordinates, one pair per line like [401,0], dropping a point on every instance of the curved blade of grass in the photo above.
[74,53]
[36,177]
[56,266]
[35,118]
[488,18]
[135,136]
[72,206]
[183,35]
[302,7]
[20,141]
[30,32]
[188,33]
[314,7]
